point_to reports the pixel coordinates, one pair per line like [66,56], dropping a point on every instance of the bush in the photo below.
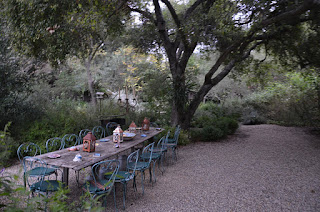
[212,123]
[7,147]
[183,136]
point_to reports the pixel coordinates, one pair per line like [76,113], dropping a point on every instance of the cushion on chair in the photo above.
[122,175]
[48,185]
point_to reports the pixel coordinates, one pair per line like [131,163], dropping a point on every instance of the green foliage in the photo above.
[183,136]
[212,123]
[17,198]
[7,146]
[291,101]
[61,117]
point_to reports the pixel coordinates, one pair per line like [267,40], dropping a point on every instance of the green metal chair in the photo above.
[162,150]
[110,127]
[173,145]
[176,135]
[32,149]
[35,171]
[70,140]
[83,133]
[143,163]
[124,176]
[99,132]
[54,144]
[99,185]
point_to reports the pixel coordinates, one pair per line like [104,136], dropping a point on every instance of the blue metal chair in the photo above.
[54,144]
[124,176]
[99,132]
[162,150]
[32,149]
[99,185]
[83,133]
[110,127]
[176,135]
[173,145]
[70,140]
[35,171]
[143,163]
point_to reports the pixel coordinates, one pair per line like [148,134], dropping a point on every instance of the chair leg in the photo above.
[153,170]
[142,182]
[114,197]
[124,194]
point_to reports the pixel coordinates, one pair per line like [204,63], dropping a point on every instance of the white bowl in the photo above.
[128,136]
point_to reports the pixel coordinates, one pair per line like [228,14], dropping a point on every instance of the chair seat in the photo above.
[170,144]
[171,140]
[40,170]
[159,150]
[121,176]
[48,185]
[140,165]
[146,156]
[98,187]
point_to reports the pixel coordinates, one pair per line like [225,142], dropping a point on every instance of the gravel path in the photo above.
[260,168]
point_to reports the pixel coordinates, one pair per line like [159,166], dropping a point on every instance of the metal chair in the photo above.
[99,132]
[176,135]
[99,185]
[110,127]
[54,144]
[32,149]
[143,163]
[162,150]
[83,133]
[35,171]
[173,145]
[124,176]
[70,140]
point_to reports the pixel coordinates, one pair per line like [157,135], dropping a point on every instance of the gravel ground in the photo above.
[260,168]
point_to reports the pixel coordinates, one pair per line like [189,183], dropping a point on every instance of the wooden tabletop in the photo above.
[105,149]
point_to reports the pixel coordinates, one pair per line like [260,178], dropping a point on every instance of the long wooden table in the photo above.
[105,149]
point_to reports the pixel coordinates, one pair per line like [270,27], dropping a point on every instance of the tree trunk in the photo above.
[90,83]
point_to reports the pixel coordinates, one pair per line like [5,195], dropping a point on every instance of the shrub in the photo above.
[7,147]
[212,123]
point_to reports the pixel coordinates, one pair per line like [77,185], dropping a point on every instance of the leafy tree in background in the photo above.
[13,82]
[54,30]
[233,28]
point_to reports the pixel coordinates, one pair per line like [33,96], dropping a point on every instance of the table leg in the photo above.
[65,176]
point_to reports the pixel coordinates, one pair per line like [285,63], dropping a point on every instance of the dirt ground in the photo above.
[259,168]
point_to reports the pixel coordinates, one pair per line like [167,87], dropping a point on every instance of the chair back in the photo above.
[35,170]
[110,127]
[83,133]
[28,149]
[54,144]
[99,132]
[161,142]
[132,160]
[148,150]
[176,135]
[103,168]
[70,140]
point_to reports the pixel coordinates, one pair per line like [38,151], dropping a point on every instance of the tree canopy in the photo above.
[230,28]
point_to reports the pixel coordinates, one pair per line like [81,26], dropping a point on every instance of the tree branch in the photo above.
[161,25]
